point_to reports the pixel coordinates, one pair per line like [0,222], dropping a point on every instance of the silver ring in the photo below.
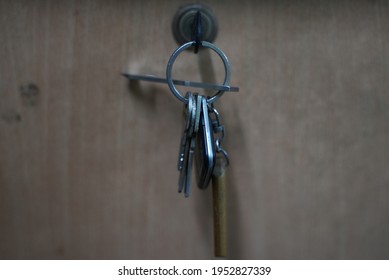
[185,46]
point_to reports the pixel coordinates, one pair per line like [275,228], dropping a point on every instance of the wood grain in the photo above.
[88,161]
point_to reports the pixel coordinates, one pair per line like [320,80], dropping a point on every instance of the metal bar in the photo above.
[151,78]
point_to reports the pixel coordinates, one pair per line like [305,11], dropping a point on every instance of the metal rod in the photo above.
[151,78]
[219,196]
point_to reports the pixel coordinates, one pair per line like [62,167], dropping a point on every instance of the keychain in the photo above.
[203,133]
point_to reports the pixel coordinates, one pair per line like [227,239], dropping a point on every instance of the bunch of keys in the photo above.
[199,141]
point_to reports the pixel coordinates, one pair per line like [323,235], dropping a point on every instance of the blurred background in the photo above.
[88,160]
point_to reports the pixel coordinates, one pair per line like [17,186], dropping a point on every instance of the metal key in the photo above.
[185,140]
[188,149]
[189,119]
[192,146]
[205,152]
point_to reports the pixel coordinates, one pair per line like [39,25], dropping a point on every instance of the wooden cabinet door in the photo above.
[88,161]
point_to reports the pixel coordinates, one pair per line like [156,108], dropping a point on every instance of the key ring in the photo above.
[185,46]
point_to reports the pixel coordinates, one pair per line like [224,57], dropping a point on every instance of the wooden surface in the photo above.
[88,162]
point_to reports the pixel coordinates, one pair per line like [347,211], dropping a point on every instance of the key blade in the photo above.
[198,112]
[205,153]
[188,133]
[190,167]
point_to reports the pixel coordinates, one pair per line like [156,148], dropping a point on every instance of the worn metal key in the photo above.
[185,141]
[205,152]
[192,145]
[187,149]
[189,119]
